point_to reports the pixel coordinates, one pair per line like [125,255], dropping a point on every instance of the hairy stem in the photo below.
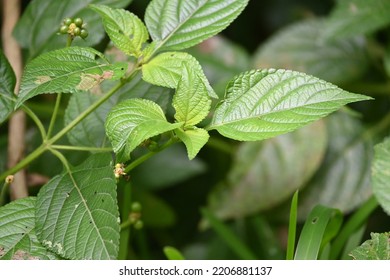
[54,115]
[81,148]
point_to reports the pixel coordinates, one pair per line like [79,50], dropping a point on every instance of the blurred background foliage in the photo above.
[249,185]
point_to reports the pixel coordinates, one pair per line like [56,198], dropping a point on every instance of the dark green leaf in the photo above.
[261,104]
[7,86]
[166,69]
[255,183]
[301,47]
[38,27]
[77,211]
[180,24]
[67,70]
[125,29]
[133,121]
[18,240]
[343,180]
[381,174]
[377,248]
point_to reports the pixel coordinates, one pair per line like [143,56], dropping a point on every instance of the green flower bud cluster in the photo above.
[73,27]
[135,215]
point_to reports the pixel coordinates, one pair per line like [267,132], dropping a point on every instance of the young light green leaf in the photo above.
[90,131]
[18,240]
[77,212]
[377,248]
[172,253]
[301,47]
[133,121]
[194,138]
[37,29]
[191,100]
[261,104]
[67,70]
[354,17]
[178,24]
[254,183]
[381,175]
[166,69]
[125,29]
[343,179]
[7,86]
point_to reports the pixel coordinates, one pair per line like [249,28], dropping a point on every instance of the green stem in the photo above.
[54,115]
[80,148]
[292,227]
[353,224]
[36,120]
[69,40]
[4,191]
[126,224]
[143,158]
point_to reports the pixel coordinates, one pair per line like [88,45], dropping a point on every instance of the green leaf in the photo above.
[173,254]
[133,121]
[17,232]
[174,171]
[166,70]
[381,174]
[343,179]
[354,17]
[261,104]
[90,131]
[191,100]
[125,29]
[179,24]
[77,212]
[301,47]
[7,86]
[254,182]
[37,29]
[321,225]
[377,248]
[67,70]
[194,138]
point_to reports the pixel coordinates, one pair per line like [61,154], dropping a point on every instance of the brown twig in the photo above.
[17,123]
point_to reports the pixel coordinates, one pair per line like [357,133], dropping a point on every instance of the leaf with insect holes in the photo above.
[7,86]
[261,104]
[194,139]
[77,211]
[133,121]
[125,29]
[166,69]
[18,240]
[180,24]
[67,70]
[191,100]
[37,29]
[377,248]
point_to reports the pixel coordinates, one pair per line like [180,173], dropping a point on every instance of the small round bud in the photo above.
[67,21]
[9,179]
[78,22]
[83,33]
[64,29]
[136,207]
[77,31]
[139,224]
